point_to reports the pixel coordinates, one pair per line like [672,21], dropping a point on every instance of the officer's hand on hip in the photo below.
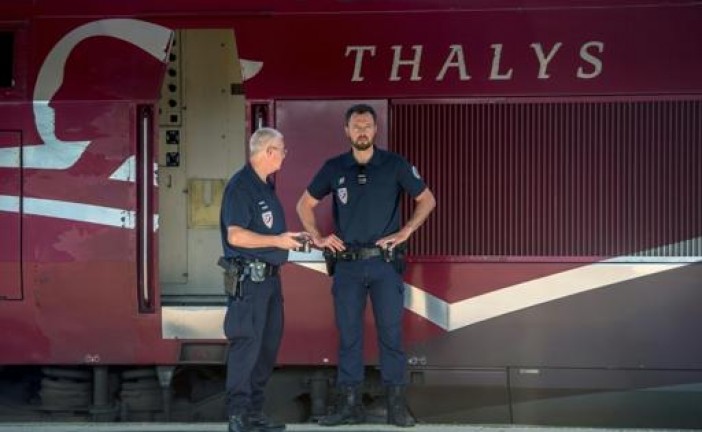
[389,242]
[329,242]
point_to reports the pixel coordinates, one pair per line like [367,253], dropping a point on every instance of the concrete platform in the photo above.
[221,427]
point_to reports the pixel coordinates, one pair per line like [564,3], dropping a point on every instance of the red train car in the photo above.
[558,281]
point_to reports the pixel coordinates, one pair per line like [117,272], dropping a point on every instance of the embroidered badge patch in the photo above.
[343,195]
[267,218]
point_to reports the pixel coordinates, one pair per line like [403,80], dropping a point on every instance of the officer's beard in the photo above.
[362,145]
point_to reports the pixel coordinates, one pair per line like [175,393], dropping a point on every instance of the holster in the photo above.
[330,259]
[232,273]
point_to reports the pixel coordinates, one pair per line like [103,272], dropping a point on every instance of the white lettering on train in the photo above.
[407,62]
[496,59]
[456,59]
[590,58]
[544,60]
[360,50]
[414,62]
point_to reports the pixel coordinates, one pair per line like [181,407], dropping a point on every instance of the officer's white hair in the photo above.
[261,137]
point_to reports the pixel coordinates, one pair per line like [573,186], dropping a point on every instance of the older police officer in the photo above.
[255,244]
[366,183]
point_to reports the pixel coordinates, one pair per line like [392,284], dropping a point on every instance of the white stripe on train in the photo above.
[205,322]
[195,322]
[73,211]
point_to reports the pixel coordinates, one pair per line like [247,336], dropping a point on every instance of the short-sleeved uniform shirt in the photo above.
[251,203]
[364,213]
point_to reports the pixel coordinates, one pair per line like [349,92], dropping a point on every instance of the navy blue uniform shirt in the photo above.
[251,203]
[364,213]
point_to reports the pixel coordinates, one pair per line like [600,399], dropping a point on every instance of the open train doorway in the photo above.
[202,133]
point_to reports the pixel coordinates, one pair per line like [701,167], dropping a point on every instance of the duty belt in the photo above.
[359,254]
[239,264]
[237,270]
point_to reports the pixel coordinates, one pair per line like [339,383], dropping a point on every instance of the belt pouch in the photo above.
[257,271]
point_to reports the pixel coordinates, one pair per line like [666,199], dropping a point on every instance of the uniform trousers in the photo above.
[354,281]
[253,326]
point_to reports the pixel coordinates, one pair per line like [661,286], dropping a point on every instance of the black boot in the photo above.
[348,410]
[264,423]
[398,414]
[240,423]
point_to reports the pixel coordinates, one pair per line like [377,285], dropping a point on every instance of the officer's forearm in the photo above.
[305,211]
[241,237]
[309,222]
[425,204]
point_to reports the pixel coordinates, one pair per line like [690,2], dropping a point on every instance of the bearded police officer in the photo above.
[365,254]
[255,244]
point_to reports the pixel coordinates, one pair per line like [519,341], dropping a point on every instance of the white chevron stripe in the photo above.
[195,322]
[543,290]
[453,316]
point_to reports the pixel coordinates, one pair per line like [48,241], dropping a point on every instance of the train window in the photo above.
[6,58]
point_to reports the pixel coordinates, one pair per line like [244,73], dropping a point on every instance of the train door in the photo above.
[314,132]
[201,143]
[10,222]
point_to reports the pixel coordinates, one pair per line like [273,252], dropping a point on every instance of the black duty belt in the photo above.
[237,265]
[359,253]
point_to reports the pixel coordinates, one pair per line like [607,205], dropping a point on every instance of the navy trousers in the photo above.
[254,327]
[353,282]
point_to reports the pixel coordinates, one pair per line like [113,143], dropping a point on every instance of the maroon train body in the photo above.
[558,281]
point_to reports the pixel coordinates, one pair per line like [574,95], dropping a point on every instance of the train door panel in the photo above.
[313,133]
[201,143]
[10,220]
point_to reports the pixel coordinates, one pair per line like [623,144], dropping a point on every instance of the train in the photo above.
[558,282]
